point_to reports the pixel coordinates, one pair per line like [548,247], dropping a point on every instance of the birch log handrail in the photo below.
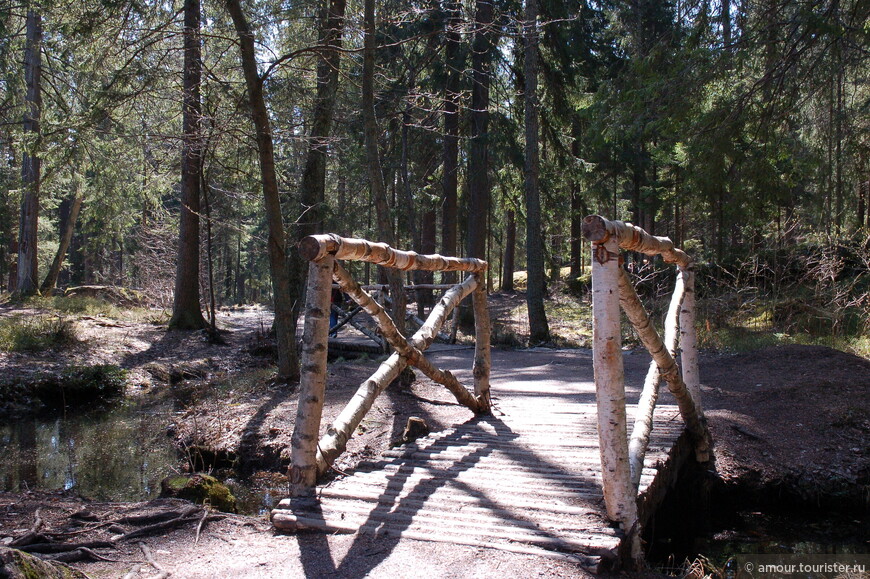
[312,455]
[622,463]
[632,238]
[315,247]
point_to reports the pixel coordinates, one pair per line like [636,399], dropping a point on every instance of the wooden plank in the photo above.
[525,483]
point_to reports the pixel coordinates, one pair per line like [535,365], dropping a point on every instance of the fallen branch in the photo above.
[154,517]
[172,523]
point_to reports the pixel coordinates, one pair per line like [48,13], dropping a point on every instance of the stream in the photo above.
[116,455]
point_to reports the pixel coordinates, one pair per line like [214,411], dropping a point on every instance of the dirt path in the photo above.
[795,415]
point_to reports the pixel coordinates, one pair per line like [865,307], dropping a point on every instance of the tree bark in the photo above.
[578,210]
[312,188]
[689,337]
[67,228]
[282,292]
[186,311]
[539,330]
[619,496]
[478,158]
[312,384]
[450,157]
[373,160]
[510,247]
[482,354]
[313,185]
[428,234]
[31,164]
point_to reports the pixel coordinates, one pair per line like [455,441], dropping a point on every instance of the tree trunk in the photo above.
[186,311]
[539,330]
[454,64]
[578,210]
[510,245]
[312,188]
[283,294]
[428,233]
[69,215]
[27,280]
[478,159]
[373,159]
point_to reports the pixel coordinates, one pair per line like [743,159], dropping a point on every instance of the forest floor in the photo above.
[792,420]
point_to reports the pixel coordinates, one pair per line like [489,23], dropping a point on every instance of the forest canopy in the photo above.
[130,131]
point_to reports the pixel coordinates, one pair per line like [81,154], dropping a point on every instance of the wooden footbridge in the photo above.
[546,466]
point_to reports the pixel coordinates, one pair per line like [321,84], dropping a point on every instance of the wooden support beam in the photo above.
[619,495]
[344,317]
[314,247]
[482,354]
[643,419]
[312,384]
[410,353]
[689,336]
[670,372]
[334,442]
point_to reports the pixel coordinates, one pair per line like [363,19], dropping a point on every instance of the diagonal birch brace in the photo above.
[643,418]
[668,369]
[334,442]
[411,354]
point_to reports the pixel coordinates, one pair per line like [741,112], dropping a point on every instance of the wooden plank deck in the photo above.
[526,479]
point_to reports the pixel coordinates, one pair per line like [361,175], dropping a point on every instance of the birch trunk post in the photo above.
[695,423]
[689,336]
[312,382]
[334,442]
[643,420]
[619,496]
[482,353]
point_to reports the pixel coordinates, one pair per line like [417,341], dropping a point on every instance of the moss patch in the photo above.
[199,488]
[16,564]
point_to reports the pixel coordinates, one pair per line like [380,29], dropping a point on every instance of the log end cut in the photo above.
[594,229]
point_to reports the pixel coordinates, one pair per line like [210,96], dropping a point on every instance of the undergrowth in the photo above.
[36,333]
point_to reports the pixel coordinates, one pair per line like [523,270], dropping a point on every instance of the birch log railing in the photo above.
[312,455]
[622,457]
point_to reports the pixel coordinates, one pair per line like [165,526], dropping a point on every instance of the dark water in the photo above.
[120,455]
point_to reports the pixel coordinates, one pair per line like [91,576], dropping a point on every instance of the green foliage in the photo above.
[36,333]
